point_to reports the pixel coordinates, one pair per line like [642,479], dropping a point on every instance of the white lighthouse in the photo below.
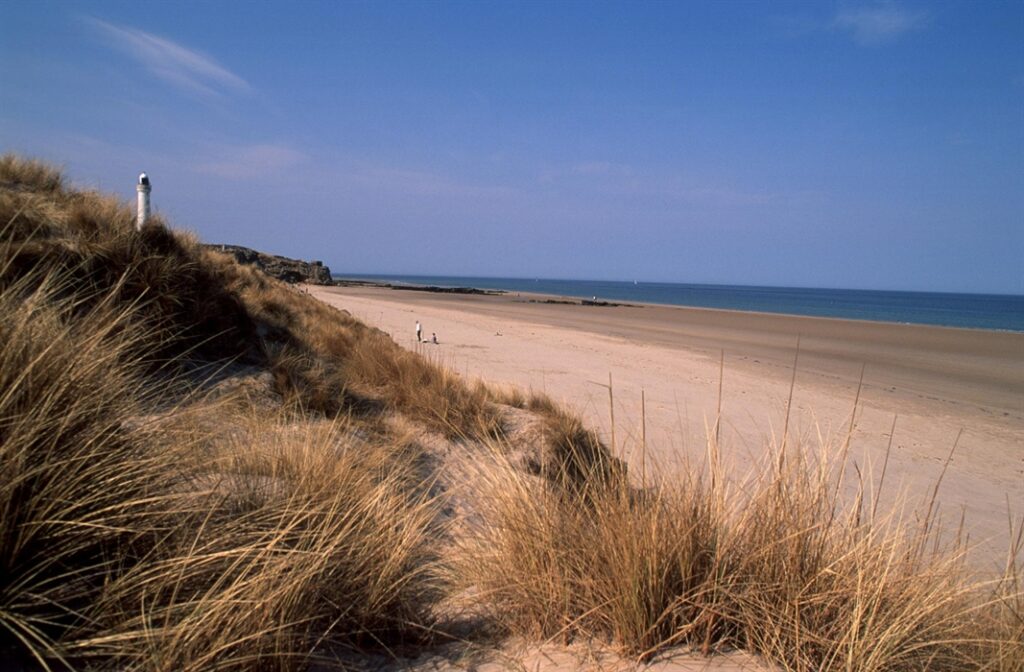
[143,190]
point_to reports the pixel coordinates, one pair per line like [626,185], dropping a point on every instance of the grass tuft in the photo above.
[82,472]
[777,565]
[296,540]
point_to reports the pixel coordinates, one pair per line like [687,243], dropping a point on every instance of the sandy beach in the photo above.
[937,383]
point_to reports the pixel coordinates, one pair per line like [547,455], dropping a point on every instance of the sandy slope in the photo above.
[938,381]
[522,657]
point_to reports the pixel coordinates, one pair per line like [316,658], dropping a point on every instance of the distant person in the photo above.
[433,338]
[419,332]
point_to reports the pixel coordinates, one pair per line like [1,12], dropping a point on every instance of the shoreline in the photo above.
[469,289]
[712,329]
[937,381]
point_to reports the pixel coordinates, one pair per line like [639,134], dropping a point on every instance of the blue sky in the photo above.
[847,144]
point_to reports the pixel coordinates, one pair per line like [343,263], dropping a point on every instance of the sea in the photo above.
[1001,312]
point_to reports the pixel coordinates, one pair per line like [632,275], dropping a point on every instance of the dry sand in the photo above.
[937,381]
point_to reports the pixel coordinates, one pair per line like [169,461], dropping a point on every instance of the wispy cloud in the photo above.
[878,24]
[185,68]
[617,180]
[586,171]
[420,183]
[601,168]
[251,161]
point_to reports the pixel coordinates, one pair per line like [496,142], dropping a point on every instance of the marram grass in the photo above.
[777,564]
[148,526]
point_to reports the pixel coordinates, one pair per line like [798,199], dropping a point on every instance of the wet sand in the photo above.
[938,381]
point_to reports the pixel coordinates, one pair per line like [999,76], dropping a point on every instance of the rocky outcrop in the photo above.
[419,288]
[282,268]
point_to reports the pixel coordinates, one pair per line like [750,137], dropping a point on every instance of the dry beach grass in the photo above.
[206,469]
[773,564]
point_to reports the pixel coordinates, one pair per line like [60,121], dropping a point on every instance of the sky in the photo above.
[874,145]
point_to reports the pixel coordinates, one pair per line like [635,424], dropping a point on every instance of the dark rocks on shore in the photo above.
[446,290]
[583,302]
[282,268]
[419,288]
[612,304]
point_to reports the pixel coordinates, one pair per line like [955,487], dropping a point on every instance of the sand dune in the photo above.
[939,382]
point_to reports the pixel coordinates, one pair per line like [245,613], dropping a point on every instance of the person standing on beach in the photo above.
[419,332]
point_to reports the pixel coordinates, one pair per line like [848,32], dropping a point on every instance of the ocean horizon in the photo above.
[998,312]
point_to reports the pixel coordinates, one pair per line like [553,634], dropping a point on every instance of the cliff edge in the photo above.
[289,270]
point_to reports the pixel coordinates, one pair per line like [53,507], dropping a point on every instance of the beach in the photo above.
[937,383]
